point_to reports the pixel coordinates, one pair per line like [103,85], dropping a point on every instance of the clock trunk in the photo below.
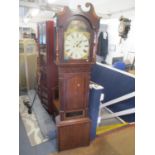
[74,91]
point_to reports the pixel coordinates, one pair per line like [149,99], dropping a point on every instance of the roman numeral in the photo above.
[66,45]
[67,50]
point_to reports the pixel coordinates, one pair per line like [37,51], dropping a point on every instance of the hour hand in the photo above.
[78,43]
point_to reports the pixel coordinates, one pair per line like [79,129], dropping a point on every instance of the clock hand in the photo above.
[78,43]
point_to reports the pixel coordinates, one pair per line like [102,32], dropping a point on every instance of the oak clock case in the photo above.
[75,53]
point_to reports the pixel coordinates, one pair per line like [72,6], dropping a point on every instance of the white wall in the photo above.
[126,48]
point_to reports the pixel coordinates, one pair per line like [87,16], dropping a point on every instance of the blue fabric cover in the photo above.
[119,65]
[115,85]
[94,104]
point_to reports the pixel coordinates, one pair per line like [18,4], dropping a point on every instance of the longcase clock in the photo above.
[75,53]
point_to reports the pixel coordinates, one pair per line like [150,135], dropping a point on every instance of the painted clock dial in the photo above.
[76,41]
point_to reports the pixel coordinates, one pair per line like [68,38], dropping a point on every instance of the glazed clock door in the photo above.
[76,41]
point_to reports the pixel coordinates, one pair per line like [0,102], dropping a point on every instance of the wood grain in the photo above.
[73,133]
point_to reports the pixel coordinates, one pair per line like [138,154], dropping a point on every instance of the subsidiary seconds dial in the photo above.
[76,46]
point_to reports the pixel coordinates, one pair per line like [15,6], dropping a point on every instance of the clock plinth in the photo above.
[73,133]
[75,53]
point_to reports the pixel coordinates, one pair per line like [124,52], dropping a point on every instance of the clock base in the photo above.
[73,133]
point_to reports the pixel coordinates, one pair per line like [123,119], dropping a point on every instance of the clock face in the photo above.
[76,42]
[76,46]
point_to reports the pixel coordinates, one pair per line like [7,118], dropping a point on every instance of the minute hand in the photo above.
[79,43]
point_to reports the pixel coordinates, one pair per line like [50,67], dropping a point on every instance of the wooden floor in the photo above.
[117,142]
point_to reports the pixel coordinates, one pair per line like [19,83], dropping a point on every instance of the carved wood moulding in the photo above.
[90,15]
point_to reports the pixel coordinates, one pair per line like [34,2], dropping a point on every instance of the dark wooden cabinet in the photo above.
[48,74]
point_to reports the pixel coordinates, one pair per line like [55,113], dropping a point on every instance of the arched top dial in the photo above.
[76,41]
